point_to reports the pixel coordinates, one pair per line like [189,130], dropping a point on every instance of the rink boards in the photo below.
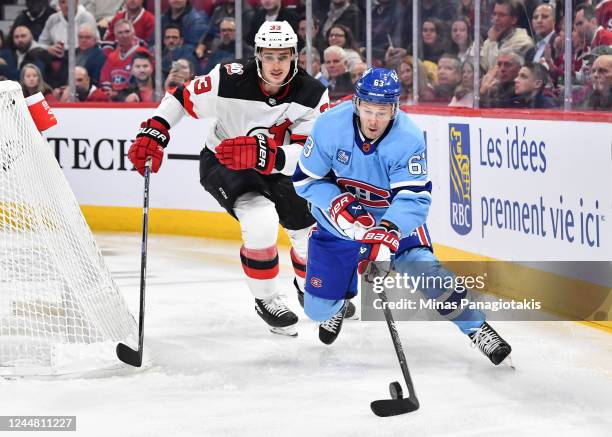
[512,189]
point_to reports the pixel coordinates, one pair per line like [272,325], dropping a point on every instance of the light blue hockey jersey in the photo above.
[388,176]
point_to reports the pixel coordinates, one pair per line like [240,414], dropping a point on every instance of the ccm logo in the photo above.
[153,133]
[379,237]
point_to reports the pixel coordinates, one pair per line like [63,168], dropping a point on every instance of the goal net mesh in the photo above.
[60,310]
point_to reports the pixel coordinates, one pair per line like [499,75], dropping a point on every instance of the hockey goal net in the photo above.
[60,310]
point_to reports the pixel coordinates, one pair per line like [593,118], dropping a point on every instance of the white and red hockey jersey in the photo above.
[233,95]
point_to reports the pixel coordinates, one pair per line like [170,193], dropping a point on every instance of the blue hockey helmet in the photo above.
[380,86]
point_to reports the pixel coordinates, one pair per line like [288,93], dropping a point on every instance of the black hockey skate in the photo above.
[490,343]
[330,329]
[280,319]
[350,310]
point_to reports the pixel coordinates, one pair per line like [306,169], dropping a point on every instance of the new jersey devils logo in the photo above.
[368,195]
[234,68]
[280,132]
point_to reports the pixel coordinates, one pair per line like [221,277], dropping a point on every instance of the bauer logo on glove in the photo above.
[253,152]
[152,138]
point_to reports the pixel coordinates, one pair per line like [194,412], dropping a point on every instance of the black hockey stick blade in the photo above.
[394,407]
[129,355]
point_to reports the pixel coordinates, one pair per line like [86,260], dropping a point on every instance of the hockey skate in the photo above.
[491,344]
[351,311]
[280,319]
[330,329]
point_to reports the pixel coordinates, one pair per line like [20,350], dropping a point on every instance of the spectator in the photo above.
[449,77]
[88,54]
[357,71]
[498,84]
[405,70]
[504,34]
[181,72]
[193,24]
[34,16]
[54,35]
[227,8]
[529,86]
[543,24]
[434,40]
[464,93]
[384,22]
[86,91]
[115,73]
[590,33]
[341,36]
[316,65]
[462,43]
[143,86]
[6,72]
[317,39]
[26,50]
[271,10]
[142,20]
[346,13]
[54,38]
[32,82]
[603,12]
[174,49]
[600,98]
[223,49]
[339,78]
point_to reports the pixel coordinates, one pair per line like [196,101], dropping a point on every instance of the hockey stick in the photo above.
[124,352]
[397,404]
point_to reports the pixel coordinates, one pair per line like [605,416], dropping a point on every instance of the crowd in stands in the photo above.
[521,47]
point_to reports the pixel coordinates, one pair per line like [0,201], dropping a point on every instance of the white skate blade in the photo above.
[287,331]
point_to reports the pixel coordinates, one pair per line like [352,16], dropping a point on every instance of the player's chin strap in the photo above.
[295,70]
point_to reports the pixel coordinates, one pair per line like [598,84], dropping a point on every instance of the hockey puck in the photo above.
[396,390]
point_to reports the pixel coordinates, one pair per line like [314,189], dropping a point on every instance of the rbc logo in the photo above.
[460,178]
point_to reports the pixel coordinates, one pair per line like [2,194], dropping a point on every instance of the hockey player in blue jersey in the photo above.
[363,169]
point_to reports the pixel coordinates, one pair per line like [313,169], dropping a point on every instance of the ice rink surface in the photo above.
[215,370]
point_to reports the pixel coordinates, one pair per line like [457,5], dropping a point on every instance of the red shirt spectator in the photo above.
[116,69]
[602,37]
[142,20]
[603,12]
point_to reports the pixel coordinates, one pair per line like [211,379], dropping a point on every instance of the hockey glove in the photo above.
[351,216]
[151,140]
[240,153]
[380,243]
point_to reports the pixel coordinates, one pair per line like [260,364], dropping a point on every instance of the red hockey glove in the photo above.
[379,244]
[151,140]
[240,153]
[351,216]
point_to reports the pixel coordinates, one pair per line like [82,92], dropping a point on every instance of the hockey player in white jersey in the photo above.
[263,110]
[364,171]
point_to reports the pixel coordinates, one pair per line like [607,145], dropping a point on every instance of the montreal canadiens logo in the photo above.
[368,195]
[316,282]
